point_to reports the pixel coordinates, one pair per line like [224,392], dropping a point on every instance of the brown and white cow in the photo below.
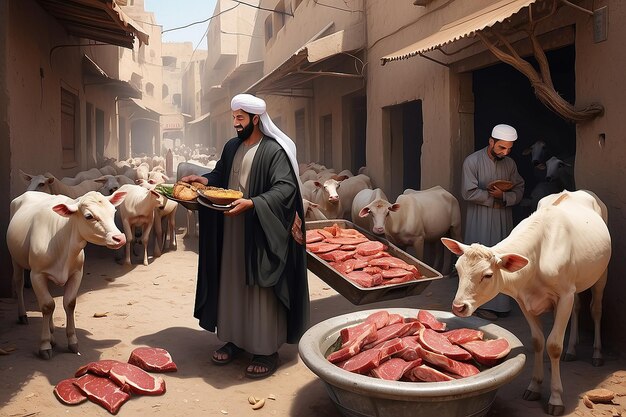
[47,234]
[560,250]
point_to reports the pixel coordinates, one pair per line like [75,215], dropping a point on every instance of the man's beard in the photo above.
[246,131]
[496,156]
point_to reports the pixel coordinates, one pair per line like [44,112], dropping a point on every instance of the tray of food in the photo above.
[183,193]
[362,267]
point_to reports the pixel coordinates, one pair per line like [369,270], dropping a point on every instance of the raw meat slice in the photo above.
[136,380]
[460,336]
[333,230]
[428,320]
[395,318]
[353,346]
[390,348]
[325,233]
[380,319]
[410,345]
[372,270]
[443,362]
[392,262]
[337,255]
[363,362]
[152,359]
[347,240]
[394,368]
[414,328]
[425,373]
[100,368]
[348,247]
[488,352]
[406,278]
[68,393]
[438,343]
[394,273]
[322,247]
[102,391]
[389,332]
[370,257]
[313,236]
[370,248]
[364,279]
[349,233]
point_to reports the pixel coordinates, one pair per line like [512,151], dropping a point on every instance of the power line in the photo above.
[200,21]
[263,8]
[335,7]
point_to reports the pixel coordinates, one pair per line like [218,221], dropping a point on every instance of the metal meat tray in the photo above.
[358,295]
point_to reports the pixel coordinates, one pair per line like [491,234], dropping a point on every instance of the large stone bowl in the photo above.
[360,396]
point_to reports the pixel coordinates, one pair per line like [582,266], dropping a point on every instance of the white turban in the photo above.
[504,132]
[254,105]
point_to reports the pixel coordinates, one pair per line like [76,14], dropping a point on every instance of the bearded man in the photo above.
[252,285]
[489,213]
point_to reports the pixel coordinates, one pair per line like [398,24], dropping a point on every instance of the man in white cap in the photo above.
[252,281]
[491,186]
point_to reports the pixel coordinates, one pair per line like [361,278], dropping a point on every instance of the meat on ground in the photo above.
[152,359]
[100,368]
[136,379]
[68,393]
[102,391]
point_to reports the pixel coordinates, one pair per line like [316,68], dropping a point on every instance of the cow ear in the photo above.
[26,177]
[117,198]
[455,247]
[157,195]
[394,207]
[365,211]
[318,184]
[541,167]
[512,262]
[101,180]
[65,210]
[527,151]
[314,205]
[165,178]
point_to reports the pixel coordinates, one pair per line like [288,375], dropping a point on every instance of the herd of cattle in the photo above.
[53,221]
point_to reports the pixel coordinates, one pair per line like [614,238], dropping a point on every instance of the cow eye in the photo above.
[487,275]
[88,216]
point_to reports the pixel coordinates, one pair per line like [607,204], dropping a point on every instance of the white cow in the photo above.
[361,200]
[89,174]
[47,234]
[137,210]
[417,217]
[560,250]
[166,212]
[48,183]
[335,197]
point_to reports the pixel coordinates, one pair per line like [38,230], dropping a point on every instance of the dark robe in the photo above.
[273,258]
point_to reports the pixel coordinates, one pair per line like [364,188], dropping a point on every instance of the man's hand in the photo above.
[239,206]
[496,193]
[195,178]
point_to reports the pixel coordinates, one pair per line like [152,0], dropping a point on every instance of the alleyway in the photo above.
[153,306]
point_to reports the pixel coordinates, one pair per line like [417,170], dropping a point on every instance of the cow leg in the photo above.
[46,305]
[597,292]
[69,304]
[563,312]
[533,392]
[158,236]
[171,223]
[418,245]
[130,238]
[144,239]
[18,285]
[570,353]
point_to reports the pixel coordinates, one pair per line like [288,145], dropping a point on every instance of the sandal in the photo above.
[269,362]
[230,349]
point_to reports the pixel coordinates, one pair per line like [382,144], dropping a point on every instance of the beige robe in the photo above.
[249,316]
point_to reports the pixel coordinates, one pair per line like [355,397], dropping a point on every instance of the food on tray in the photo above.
[392,347]
[199,185]
[184,191]
[366,263]
[217,192]
[165,189]
[503,185]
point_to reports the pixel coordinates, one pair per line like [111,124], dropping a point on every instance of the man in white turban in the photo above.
[252,283]
[491,186]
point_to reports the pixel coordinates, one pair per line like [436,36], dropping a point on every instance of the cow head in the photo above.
[37,182]
[110,184]
[480,274]
[379,210]
[93,215]
[538,152]
[554,166]
[330,190]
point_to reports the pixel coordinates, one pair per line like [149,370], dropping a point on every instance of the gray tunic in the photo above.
[486,224]
[249,316]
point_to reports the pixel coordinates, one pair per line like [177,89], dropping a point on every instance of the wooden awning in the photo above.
[99,20]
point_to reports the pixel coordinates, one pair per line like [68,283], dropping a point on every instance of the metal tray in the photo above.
[358,295]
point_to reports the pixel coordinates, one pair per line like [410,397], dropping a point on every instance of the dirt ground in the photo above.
[153,306]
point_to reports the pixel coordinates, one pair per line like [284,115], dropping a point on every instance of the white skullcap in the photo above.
[254,105]
[504,132]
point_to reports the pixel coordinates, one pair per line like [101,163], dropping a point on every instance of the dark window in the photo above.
[68,126]
[150,89]
[176,100]
[165,91]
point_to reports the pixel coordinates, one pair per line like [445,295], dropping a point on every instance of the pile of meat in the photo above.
[392,347]
[110,383]
[363,261]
